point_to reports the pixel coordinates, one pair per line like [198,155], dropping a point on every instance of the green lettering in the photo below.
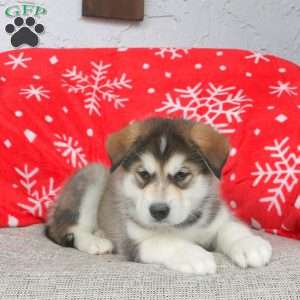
[12,11]
[40,11]
[27,8]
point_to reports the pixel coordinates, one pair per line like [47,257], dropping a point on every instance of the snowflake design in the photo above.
[208,105]
[96,87]
[12,221]
[284,173]
[17,61]
[283,87]
[37,200]
[70,149]
[257,57]
[172,53]
[37,92]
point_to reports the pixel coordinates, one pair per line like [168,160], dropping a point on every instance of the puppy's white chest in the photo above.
[205,235]
[199,236]
[194,234]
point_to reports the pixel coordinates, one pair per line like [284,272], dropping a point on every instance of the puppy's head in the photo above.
[168,170]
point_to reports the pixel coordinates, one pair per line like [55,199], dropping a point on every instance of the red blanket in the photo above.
[58,106]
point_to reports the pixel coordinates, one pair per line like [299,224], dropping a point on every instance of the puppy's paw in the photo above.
[101,246]
[93,245]
[192,259]
[252,251]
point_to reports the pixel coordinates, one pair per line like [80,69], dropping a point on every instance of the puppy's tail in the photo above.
[75,211]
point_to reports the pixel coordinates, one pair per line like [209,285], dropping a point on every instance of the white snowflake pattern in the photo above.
[17,61]
[284,173]
[257,56]
[12,221]
[283,87]
[171,53]
[37,201]
[70,149]
[208,105]
[36,92]
[96,86]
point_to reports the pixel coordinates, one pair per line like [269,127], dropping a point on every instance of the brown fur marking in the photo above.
[119,143]
[212,144]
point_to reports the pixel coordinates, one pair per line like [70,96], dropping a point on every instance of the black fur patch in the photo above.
[68,240]
[47,232]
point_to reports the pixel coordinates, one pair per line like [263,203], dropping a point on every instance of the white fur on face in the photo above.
[181,201]
[174,164]
[142,198]
[163,144]
[149,163]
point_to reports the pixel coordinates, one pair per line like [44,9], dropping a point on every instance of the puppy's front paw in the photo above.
[252,251]
[93,245]
[192,259]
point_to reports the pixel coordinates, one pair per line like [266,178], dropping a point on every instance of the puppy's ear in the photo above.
[119,143]
[213,146]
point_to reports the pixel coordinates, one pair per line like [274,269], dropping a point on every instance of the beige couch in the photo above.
[32,267]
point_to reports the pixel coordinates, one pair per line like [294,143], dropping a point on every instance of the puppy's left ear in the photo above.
[119,143]
[213,146]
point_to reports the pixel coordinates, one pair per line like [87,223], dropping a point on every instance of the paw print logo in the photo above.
[24,31]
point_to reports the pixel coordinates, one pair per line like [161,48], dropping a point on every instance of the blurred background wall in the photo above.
[261,25]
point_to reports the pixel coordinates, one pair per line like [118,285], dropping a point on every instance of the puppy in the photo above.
[160,203]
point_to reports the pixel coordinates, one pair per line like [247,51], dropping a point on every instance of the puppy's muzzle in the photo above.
[159,211]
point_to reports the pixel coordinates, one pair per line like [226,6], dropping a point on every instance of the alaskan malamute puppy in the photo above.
[159,204]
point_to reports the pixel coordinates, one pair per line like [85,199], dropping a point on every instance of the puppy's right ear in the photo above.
[119,143]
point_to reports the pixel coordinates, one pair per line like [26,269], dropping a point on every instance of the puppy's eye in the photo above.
[181,176]
[144,175]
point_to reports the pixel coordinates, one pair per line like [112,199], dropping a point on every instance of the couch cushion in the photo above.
[32,267]
[57,107]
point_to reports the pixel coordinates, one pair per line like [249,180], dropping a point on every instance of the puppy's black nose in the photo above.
[159,211]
